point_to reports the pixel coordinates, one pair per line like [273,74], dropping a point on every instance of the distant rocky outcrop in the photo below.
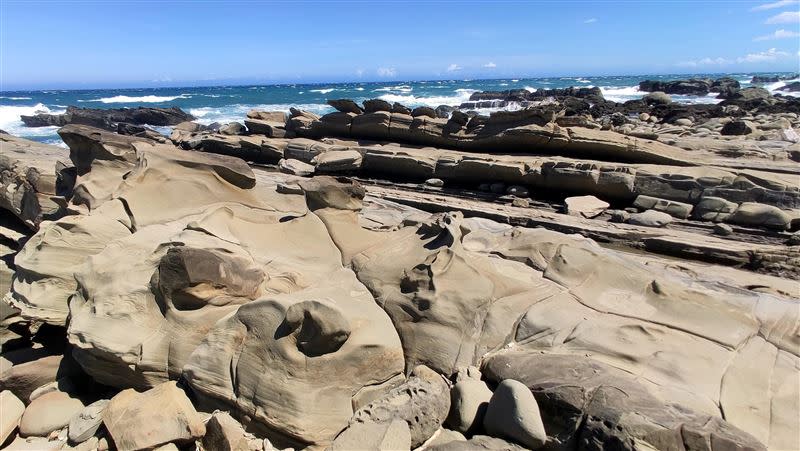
[110,119]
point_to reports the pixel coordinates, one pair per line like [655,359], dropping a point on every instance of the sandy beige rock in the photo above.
[147,420]
[12,409]
[48,413]
[585,206]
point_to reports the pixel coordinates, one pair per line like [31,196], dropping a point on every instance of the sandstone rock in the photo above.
[423,403]
[269,116]
[714,209]
[478,443]
[678,210]
[435,182]
[401,109]
[271,129]
[469,399]
[424,111]
[521,203]
[684,122]
[789,135]
[755,214]
[373,105]
[48,413]
[12,409]
[232,128]
[657,98]
[29,186]
[295,167]
[722,229]
[345,106]
[85,424]
[388,436]
[338,161]
[513,413]
[109,118]
[585,206]
[147,420]
[738,128]
[23,371]
[223,433]
[650,218]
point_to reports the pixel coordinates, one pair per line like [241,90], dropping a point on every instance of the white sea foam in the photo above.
[322,91]
[398,88]
[10,121]
[582,80]
[515,81]
[503,84]
[237,112]
[15,98]
[621,94]
[359,88]
[460,96]
[140,99]
[529,89]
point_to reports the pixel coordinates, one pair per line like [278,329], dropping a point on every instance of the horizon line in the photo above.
[233,83]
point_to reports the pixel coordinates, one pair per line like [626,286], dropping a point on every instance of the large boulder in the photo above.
[422,402]
[756,214]
[49,412]
[513,413]
[156,417]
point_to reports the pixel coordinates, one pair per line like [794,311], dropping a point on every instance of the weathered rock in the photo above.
[657,98]
[85,424]
[48,413]
[232,128]
[147,420]
[338,161]
[585,206]
[295,167]
[12,409]
[388,436]
[24,370]
[478,443]
[30,187]
[675,209]
[373,105]
[422,402]
[435,182]
[518,191]
[513,413]
[272,129]
[738,128]
[109,118]
[714,209]
[755,214]
[345,106]
[650,218]
[469,399]
[723,229]
[223,433]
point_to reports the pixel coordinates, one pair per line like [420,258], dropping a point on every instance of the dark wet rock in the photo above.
[694,87]
[109,118]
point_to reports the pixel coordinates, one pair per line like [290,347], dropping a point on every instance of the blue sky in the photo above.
[84,44]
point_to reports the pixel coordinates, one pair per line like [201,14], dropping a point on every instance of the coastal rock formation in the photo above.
[34,179]
[109,119]
[322,311]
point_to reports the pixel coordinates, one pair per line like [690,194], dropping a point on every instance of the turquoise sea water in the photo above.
[231,103]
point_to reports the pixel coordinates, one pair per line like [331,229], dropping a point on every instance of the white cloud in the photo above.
[387,72]
[784,17]
[778,34]
[760,57]
[778,4]
[770,55]
[453,68]
[490,65]
[592,20]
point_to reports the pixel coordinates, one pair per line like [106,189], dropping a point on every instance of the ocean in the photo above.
[231,103]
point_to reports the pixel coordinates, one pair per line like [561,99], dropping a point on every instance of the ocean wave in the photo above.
[15,98]
[529,89]
[503,84]
[322,91]
[461,95]
[238,112]
[515,81]
[398,88]
[140,99]
[621,94]
[10,120]
[359,88]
